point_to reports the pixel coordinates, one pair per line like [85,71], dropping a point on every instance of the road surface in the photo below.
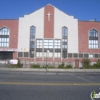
[48,85]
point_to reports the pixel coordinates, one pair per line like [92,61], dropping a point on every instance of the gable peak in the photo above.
[49,5]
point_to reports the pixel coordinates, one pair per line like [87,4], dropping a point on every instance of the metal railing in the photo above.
[4,63]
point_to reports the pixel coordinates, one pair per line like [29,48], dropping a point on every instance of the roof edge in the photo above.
[9,19]
[87,21]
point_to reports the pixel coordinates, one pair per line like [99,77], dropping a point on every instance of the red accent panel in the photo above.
[14,55]
[13,26]
[83,28]
[49,24]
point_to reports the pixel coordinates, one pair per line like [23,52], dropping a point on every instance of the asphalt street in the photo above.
[48,85]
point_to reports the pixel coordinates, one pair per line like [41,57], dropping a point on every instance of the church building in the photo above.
[50,33]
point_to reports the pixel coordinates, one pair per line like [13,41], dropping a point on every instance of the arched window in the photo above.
[4,37]
[32,40]
[64,31]
[93,39]
[64,41]
[32,30]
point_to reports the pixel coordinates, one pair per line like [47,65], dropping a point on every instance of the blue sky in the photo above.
[80,9]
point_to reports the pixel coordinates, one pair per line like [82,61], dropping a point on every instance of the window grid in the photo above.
[32,40]
[4,37]
[57,47]
[39,54]
[32,30]
[93,39]
[64,41]
[91,55]
[48,44]
[39,43]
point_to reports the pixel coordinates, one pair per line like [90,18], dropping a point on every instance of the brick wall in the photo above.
[83,28]
[12,25]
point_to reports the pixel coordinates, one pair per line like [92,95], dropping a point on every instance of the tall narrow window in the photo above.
[4,37]
[32,40]
[93,39]
[39,46]
[64,41]
[57,47]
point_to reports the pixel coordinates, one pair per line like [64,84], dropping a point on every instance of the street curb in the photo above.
[51,70]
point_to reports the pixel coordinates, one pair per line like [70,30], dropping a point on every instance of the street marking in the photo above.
[50,84]
[84,79]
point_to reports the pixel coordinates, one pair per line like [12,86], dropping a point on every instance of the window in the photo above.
[86,56]
[48,54]
[80,55]
[93,39]
[57,47]
[39,54]
[57,54]
[39,43]
[20,54]
[54,47]
[75,55]
[70,55]
[48,44]
[39,46]
[32,36]
[57,44]
[31,45]
[64,41]
[91,56]
[96,55]
[64,31]
[32,40]
[32,30]
[4,37]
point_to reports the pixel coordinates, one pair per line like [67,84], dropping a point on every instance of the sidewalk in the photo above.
[49,70]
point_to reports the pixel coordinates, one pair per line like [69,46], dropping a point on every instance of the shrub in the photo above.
[68,66]
[94,66]
[44,66]
[97,64]
[35,66]
[50,66]
[61,65]
[13,66]
[86,63]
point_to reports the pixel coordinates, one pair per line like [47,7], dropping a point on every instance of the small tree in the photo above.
[19,65]
[86,63]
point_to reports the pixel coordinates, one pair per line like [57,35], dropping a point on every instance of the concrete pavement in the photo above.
[49,70]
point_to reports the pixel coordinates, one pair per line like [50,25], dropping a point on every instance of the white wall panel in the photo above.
[36,19]
[62,19]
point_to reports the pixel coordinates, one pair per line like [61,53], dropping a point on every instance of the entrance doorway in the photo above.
[76,63]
